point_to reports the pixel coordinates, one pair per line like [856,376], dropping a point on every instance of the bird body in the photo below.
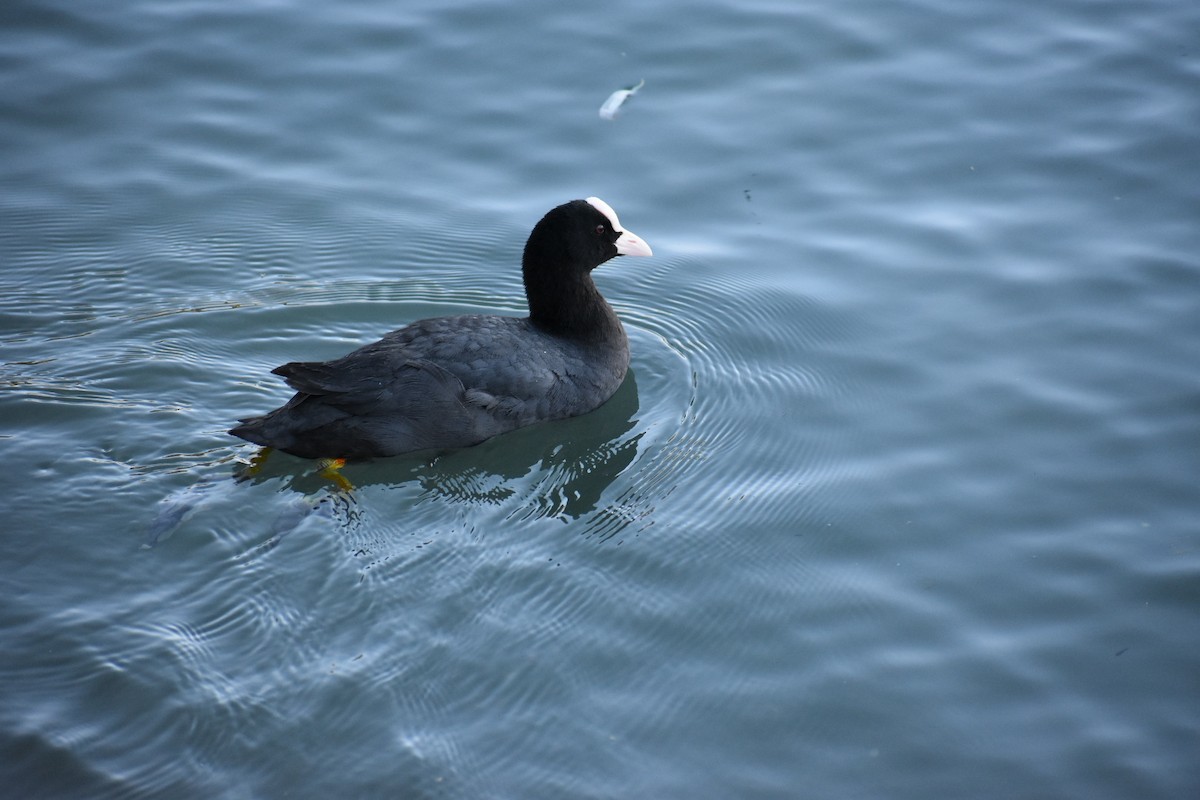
[452,382]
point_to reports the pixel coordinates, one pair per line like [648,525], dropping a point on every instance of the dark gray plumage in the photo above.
[455,381]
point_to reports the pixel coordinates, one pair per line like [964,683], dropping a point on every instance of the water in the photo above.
[899,500]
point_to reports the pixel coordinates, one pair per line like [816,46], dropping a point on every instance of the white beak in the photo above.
[630,244]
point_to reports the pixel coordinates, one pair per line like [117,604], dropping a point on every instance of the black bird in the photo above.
[455,381]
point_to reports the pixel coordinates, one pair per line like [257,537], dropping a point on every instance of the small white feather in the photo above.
[614,101]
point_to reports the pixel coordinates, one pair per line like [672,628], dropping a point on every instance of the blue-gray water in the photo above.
[900,500]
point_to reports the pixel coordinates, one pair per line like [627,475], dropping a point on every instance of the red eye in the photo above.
[599,230]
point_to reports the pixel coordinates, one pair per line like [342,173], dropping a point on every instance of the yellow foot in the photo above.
[329,469]
[257,462]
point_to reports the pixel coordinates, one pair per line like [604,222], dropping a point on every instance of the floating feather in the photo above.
[614,101]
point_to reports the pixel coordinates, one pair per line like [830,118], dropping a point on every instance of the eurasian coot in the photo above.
[455,381]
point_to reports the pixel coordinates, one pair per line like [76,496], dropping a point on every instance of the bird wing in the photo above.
[371,376]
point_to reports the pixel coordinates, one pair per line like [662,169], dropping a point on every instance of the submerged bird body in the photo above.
[453,382]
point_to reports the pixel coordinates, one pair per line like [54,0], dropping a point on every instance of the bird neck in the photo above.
[574,309]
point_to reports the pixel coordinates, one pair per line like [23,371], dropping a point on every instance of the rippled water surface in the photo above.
[899,499]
